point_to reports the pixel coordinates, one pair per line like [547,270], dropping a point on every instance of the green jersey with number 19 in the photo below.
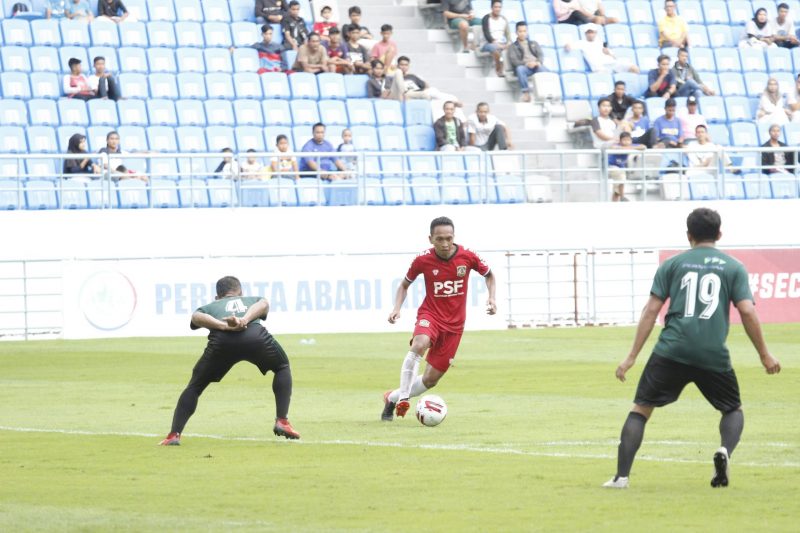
[700,283]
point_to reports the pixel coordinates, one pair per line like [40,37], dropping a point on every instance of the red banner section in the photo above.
[774,280]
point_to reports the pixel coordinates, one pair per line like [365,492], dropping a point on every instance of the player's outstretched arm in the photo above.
[399,298]
[752,326]
[203,320]
[491,283]
[646,322]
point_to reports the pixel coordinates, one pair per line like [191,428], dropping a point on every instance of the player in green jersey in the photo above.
[235,334]
[700,284]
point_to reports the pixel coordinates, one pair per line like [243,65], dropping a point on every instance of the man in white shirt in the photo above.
[784,28]
[702,154]
[690,118]
[497,34]
[604,129]
[599,58]
[102,82]
[486,131]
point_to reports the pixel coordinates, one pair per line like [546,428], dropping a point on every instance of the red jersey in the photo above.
[446,285]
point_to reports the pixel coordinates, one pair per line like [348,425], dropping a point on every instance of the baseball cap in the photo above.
[691,100]
[670,103]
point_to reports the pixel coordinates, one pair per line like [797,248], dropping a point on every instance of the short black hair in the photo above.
[521,23]
[317,125]
[403,58]
[441,221]
[661,58]
[386,27]
[671,102]
[375,62]
[354,10]
[683,50]
[280,138]
[325,8]
[293,3]
[110,133]
[625,135]
[73,61]
[251,150]
[497,2]
[333,31]
[227,150]
[265,28]
[98,58]
[620,82]
[313,34]
[783,5]
[601,101]
[703,224]
[228,284]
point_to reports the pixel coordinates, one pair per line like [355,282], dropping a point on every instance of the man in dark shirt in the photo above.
[113,10]
[355,22]
[526,58]
[295,31]
[458,15]
[661,80]
[620,102]
[410,87]
[270,11]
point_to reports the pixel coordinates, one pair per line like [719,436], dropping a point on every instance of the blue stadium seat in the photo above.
[550,58]
[189,34]
[779,60]
[710,79]
[698,36]
[333,112]
[163,85]
[276,85]
[792,133]
[247,33]
[786,80]
[43,59]
[192,85]
[271,136]
[102,112]
[43,112]
[783,187]
[420,138]
[362,111]
[647,58]
[356,85]
[42,85]
[715,12]
[388,112]
[731,84]
[258,193]
[542,34]
[618,35]
[217,34]
[719,134]
[303,85]
[392,138]
[769,5]
[733,187]
[132,138]
[721,36]
[713,108]
[245,60]
[372,165]
[575,86]
[281,192]
[162,139]
[218,60]
[103,33]
[425,190]
[190,60]
[216,11]
[702,59]
[250,137]
[161,33]
[633,86]
[563,34]
[219,137]
[740,11]
[96,137]
[134,85]
[42,168]
[654,107]
[191,139]
[365,138]
[743,134]
[161,11]
[65,53]
[41,139]
[132,113]
[690,10]
[644,35]
[132,194]
[15,85]
[161,60]
[331,86]
[277,113]
[241,10]
[72,195]
[98,195]
[134,59]
[248,112]
[390,166]
[311,193]
[601,84]
[73,112]
[247,85]
[163,193]
[133,34]
[763,132]
[454,190]
[418,113]
[188,11]
[162,112]
[540,12]
[510,189]
[16,32]
[571,61]
[738,109]
[46,32]
[40,195]
[11,195]
[220,85]
[640,11]
[702,187]
[425,165]
[190,112]
[219,112]
[13,113]
[727,60]
[163,168]
[192,192]
[304,112]
[396,190]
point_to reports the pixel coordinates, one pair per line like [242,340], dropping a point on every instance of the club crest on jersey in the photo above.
[435,271]
[461,271]
[424,323]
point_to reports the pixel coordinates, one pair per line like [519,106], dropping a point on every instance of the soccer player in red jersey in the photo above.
[440,318]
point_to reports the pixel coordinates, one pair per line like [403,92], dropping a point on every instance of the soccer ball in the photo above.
[431,410]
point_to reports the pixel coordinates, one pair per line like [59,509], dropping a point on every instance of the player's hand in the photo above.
[394,316]
[235,323]
[623,367]
[771,365]
[491,307]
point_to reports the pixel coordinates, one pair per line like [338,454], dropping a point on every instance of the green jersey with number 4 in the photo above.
[231,305]
[700,283]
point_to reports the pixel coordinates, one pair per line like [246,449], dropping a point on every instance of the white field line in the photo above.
[437,447]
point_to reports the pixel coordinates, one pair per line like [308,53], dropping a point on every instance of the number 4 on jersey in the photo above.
[708,293]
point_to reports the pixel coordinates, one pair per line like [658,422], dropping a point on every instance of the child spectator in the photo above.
[619,163]
[386,49]
[324,26]
[251,168]
[337,53]
[347,146]
[283,166]
[229,167]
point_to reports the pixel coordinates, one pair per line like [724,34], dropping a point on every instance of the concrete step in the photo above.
[388,10]
[400,24]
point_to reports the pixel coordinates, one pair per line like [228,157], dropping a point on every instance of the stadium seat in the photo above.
[46,32]
[752,60]
[192,192]
[601,84]
[702,59]
[103,33]
[247,85]
[241,10]
[420,138]
[161,11]
[425,190]
[96,137]
[571,61]
[42,85]
[246,60]
[418,113]
[713,108]
[161,33]
[618,35]
[510,188]
[540,12]
[162,139]
[743,134]
[715,12]
[43,112]
[218,60]
[162,112]
[277,113]
[43,59]
[13,113]
[15,85]
[425,165]
[222,193]
[732,187]
[163,85]
[333,112]
[543,34]
[303,85]
[719,134]
[190,113]
[389,166]
[779,60]
[65,53]
[632,84]
[738,109]
[644,35]
[698,36]
[132,113]
[134,59]
[727,60]
[640,11]
[42,168]
[575,86]
[246,33]
[331,86]
[690,10]
[132,194]
[161,60]
[188,11]
[392,138]
[219,137]
[217,34]
[454,190]
[191,139]
[163,168]
[563,34]
[98,195]
[276,85]
[219,112]
[73,112]
[220,85]
[361,111]
[739,12]
[40,195]
[769,5]
[792,133]
[248,112]
[109,54]
[72,195]
[731,84]
[783,186]
[356,85]
[41,139]
[546,85]
[163,193]
[133,85]
[189,34]
[365,138]
[271,134]
[133,34]
[133,138]
[16,32]
[191,60]
[216,11]
[388,112]
[250,137]
[192,85]
[702,187]
[721,36]
[11,193]
[396,190]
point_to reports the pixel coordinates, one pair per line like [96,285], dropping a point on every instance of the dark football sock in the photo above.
[730,429]
[187,404]
[282,388]
[629,442]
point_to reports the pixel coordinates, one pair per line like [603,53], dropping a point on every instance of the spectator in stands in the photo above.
[459,15]
[102,82]
[269,53]
[323,27]
[486,131]
[410,87]
[794,100]
[526,59]
[347,147]
[55,9]
[580,12]
[229,167]
[251,168]
[378,85]
[79,10]
[690,118]
[672,29]
[758,32]
[687,80]
[773,107]
[337,53]
[295,31]
[386,49]
[357,55]
[113,10]
[604,129]
[661,80]
[701,154]
[83,165]
[776,162]
[667,129]
[620,102]
[597,55]
[312,56]
[637,123]
[598,12]
[284,166]
[497,33]
[364,36]
[324,167]
[75,84]
[449,130]
[118,169]
[270,11]
[784,28]
[619,163]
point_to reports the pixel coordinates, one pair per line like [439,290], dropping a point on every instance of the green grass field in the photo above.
[530,437]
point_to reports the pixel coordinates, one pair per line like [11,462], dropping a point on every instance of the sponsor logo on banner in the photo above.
[461,271]
[107,300]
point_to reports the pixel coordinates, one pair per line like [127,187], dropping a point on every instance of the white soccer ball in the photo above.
[431,410]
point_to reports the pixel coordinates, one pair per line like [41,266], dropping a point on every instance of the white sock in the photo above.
[407,373]
[417,387]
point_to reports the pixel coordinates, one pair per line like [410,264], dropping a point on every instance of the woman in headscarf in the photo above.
[80,166]
[772,107]
[758,32]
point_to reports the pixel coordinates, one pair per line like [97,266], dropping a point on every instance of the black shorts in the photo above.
[663,380]
[254,345]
